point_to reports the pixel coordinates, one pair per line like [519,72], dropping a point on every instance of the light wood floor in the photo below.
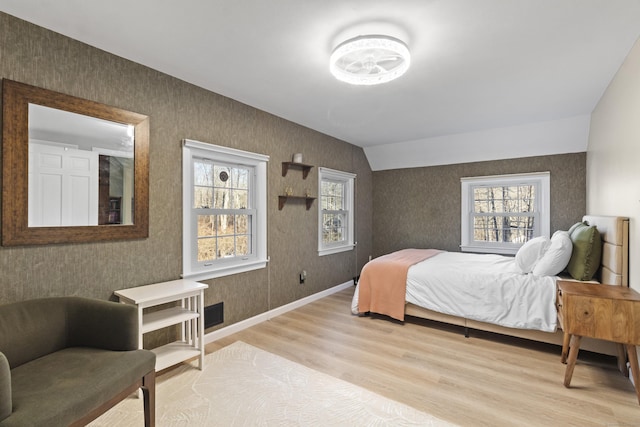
[484,380]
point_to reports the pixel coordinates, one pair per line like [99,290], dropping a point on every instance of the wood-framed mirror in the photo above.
[73,170]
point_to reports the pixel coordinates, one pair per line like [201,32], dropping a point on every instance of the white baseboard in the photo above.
[247,323]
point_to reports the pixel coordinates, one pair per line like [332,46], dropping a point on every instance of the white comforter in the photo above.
[487,288]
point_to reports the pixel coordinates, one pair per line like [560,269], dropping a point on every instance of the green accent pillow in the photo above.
[573,227]
[587,251]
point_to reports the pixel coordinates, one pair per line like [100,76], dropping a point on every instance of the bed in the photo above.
[499,297]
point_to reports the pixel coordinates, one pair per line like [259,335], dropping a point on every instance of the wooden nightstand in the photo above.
[604,312]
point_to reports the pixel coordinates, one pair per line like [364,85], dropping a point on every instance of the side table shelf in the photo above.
[164,318]
[189,315]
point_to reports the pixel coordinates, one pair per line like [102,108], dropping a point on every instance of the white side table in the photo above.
[189,314]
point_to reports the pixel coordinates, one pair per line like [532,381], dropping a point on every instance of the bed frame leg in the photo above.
[466,332]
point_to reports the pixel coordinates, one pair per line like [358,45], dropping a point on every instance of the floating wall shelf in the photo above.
[287,165]
[283,199]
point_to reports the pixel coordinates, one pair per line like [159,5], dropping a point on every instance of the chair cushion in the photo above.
[34,328]
[31,329]
[61,387]
[5,388]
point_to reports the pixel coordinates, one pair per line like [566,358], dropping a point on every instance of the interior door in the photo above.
[63,186]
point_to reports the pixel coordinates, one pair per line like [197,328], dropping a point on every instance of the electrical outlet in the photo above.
[303,276]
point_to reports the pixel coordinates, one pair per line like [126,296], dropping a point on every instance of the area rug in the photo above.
[242,385]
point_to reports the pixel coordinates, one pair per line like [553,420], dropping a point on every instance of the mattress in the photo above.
[483,287]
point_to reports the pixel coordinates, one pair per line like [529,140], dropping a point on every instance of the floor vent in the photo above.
[213,315]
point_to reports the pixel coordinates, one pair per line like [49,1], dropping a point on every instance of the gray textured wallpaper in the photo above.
[420,207]
[178,110]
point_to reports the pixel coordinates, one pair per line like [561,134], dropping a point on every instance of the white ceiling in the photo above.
[66,129]
[477,65]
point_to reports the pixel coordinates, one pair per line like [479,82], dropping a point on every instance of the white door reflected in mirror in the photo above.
[80,169]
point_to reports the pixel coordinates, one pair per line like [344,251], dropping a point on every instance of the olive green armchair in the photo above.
[67,360]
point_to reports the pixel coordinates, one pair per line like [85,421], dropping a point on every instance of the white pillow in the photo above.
[557,256]
[529,253]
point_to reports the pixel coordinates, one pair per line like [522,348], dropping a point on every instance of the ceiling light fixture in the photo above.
[370,60]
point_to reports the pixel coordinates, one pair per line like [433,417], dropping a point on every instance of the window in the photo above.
[501,213]
[224,210]
[335,217]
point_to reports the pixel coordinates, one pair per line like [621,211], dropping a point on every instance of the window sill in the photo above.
[489,250]
[335,250]
[225,271]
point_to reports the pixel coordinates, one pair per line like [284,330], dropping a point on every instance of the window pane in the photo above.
[327,203]
[527,197]
[333,228]
[225,225]
[242,224]
[224,236]
[202,197]
[203,173]
[206,225]
[480,193]
[338,203]
[332,203]
[221,176]
[332,196]
[206,249]
[222,199]
[503,200]
[240,199]
[481,206]
[517,229]
[243,246]
[241,178]
[226,247]
[338,189]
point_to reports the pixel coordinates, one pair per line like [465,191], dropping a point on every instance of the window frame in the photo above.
[542,209]
[326,174]
[191,268]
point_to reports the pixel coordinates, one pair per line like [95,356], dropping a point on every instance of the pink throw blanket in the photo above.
[383,281]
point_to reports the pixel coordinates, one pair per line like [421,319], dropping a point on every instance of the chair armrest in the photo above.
[6,404]
[102,324]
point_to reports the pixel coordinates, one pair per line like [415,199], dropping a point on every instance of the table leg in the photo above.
[565,347]
[633,361]
[573,356]
[622,359]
